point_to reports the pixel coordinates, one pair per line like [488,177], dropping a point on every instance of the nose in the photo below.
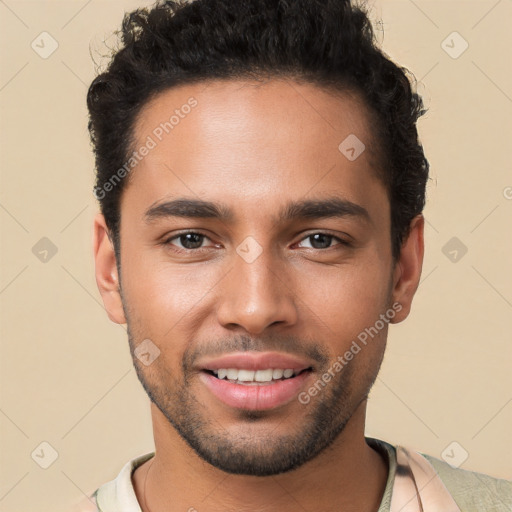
[256,295]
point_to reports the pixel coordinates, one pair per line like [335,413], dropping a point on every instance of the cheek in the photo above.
[348,297]
[347,303]
[163,297]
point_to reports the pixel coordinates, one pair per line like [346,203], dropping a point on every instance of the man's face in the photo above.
[270,286]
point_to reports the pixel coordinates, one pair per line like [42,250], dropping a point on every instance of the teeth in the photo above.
[277,374]
[263,375]
[246,375]
[232,374]
[254,376]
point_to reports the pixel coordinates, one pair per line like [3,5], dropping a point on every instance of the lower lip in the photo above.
[255,397]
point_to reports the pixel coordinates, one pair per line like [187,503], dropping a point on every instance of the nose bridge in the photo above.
[255,294]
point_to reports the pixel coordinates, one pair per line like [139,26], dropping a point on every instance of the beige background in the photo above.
[66,374]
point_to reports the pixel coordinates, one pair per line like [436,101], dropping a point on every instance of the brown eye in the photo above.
[188,241]
[191,240]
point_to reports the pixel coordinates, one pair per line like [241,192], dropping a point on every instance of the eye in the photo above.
[188,241]
[323,240]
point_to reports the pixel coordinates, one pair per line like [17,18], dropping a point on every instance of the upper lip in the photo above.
[256,361]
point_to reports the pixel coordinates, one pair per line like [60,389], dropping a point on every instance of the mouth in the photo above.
[255,381]
[264,377]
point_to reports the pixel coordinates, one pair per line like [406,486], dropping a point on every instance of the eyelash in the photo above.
[167,242]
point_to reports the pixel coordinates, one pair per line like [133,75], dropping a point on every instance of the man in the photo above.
[261,185]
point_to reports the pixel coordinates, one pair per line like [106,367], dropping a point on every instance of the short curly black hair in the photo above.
[330,43]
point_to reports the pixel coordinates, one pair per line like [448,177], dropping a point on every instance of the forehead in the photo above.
[252,140]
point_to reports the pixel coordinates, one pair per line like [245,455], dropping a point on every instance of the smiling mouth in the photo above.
[256,377]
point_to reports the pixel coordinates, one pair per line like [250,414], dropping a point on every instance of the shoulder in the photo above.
[473,491]
[117,494]
[88,504]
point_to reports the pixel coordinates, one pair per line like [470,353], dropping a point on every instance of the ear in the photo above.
[406,276]
[107,277]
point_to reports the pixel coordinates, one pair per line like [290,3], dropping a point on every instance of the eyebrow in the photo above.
[333,207]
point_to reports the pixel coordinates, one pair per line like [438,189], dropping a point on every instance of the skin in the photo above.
[255,147]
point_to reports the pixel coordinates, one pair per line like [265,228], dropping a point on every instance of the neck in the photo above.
[348,475]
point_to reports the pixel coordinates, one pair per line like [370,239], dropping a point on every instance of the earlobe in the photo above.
[407,273]
[107,278]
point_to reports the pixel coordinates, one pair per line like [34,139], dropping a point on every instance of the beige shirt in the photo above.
[416,482]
